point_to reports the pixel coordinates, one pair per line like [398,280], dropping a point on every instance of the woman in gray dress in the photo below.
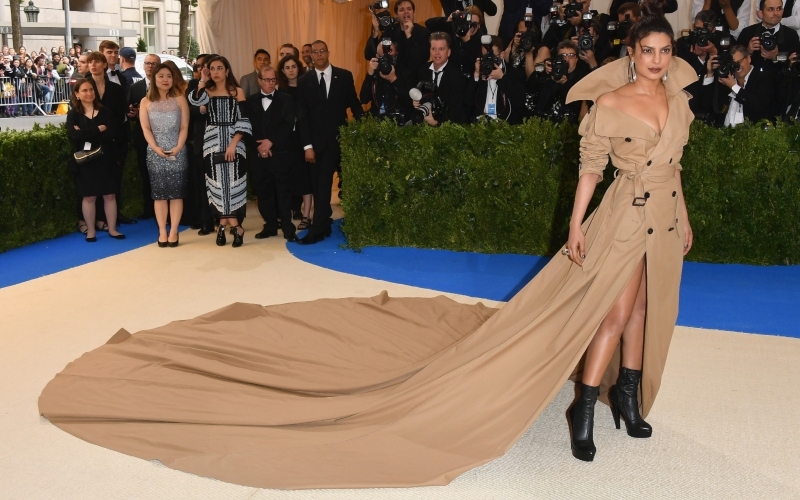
[164,115]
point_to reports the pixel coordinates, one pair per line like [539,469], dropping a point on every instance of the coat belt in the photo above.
[662,173]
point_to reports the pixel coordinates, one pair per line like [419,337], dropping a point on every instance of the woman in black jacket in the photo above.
[90,126]
[16,74]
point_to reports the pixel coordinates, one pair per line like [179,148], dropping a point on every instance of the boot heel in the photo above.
[615,414]
[623,397]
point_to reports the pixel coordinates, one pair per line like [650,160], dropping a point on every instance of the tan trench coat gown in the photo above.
[395,392]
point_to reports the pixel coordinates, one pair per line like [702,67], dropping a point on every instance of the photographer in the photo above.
[567,25]
[525,49]
[447,82]
[593,45]
[696,47]
[565,70]
[464,28]
[495,91]
[410,38]
[768,38]
[619,31]
[383,89]
[732,15]
[740,91]
[485,6]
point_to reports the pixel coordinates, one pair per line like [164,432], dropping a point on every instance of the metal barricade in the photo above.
[18,97]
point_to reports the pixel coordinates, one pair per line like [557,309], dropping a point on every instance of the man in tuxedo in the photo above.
[110,51]
[749,93]
[249,82]
[272,115]
[136,93]
[449,83]
[324,95]
[199,206]
[771,13]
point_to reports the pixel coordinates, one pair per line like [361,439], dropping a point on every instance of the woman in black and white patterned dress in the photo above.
[221,99]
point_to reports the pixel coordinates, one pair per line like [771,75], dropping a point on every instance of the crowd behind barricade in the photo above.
[199,143]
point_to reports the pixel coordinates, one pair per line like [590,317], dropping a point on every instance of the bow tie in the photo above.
[771,31]
[266,96]
[114,72]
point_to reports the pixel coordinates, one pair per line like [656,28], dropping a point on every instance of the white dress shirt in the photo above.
[434,71]
[735,114]
[266,102]
[112,77]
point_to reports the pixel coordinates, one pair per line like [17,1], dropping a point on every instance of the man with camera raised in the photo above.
[732,15]
[566,23]
[741,91]
[564,71]
[447,85]
[768,38]
[465,31]
[495,91]
[383,89]
[696,47]
[410,38]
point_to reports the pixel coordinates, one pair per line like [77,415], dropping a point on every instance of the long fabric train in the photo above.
[395,392]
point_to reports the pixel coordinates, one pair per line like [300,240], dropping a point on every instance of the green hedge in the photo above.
[497,188]
[37,193]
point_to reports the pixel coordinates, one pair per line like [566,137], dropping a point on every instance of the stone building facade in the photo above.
[125,21]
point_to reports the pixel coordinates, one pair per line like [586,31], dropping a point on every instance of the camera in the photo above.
[620,30]
[530,38]
[585,40]
[385,19]
[462,22]
[573,9]
[727,67]
[489,61]
[386,61]
[768,41]
[560,68]
[702,36]
[429,102]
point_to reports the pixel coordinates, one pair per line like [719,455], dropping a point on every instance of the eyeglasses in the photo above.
[269,80]
[150,64]
[319,52]
[569,55]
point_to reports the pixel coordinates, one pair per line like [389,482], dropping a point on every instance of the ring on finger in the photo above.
[565,252]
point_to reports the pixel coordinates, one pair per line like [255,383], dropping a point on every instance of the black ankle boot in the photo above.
[221,236]
[624,400]
[581,417]
[238,239]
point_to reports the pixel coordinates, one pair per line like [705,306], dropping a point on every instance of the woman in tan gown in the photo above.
[410,392]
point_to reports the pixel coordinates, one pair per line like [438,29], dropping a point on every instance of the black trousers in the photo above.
[271,178]
[327,162]
[147,196]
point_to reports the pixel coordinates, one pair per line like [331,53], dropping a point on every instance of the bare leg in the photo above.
[89,213]
[605,341]
[161,210]
[633,334]
[110,206]
[175,213]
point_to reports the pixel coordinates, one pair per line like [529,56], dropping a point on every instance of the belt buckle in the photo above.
[639,201]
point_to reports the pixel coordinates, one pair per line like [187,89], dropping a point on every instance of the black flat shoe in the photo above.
[205,230]
[91,239]
[310,239]
[266,233]
[221,236]
[119,236]
[238,238]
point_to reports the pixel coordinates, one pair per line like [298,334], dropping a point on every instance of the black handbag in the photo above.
[217,158]
[82,157]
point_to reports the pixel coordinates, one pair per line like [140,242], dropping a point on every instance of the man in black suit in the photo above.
[272,116]
[749,93]
[410,38]
[500,95]
[387,93]
[449,82]
[198,198]
[136,93]
[787,40]
[324,95]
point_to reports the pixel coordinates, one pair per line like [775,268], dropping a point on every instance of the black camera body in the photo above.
[560,68]
[488,63]
[727,67]
[619,31]
[386,61]
[585,39]
[573,9]
[462,22]
[429,102]
[768,40]
[385,19]
[531,37]
[701,36]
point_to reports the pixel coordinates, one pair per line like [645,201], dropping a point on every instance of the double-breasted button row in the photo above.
[674,194]
[649,162]
[650,231]
[627,139]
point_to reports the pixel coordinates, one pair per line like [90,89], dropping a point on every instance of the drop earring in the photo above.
[632,77]
[664,78]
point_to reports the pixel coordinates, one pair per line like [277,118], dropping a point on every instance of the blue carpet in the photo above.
[51,256]
[740,298]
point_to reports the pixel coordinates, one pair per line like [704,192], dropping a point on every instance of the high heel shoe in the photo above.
[238,239]
[162,244]
[624,401]
[221,236]
[173,244]
[582,423]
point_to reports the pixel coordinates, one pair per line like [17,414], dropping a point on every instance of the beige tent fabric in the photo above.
[390,392]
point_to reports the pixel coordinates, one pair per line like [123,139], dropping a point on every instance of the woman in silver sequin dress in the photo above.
[164,116]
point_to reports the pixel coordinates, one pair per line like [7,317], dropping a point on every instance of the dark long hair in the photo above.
[652,21]
[77,104]
[283,82]
[230,82]
[177,82]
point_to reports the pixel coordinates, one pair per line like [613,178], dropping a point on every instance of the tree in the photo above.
[183,30]
[141,45]
[16,27]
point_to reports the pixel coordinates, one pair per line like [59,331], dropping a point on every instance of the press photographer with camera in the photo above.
[487,7]
[566,24]
[696,46]
[525,49]
[496,91]
[441,91]
[768,38]
[410,38]
[594,47]
[732,15]
[383,89]
[741,91]
[619,30]
[565,70]
[465,31]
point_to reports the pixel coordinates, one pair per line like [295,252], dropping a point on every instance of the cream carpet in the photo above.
[725,422]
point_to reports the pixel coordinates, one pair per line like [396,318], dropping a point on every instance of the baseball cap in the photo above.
[127,53]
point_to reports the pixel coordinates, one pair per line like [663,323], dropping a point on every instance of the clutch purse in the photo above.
[82,157]
[217,158]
